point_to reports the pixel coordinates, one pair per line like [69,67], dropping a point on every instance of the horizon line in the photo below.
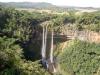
[50,3]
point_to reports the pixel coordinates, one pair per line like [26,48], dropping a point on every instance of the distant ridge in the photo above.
[27,4]
[40,5]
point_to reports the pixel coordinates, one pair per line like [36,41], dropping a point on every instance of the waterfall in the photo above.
[51,50]
[43,50]
[46,32]
[43,44]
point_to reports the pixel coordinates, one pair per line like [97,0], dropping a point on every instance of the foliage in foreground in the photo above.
[11,62]
[81,58]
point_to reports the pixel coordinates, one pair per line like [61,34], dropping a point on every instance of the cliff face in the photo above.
[89,36]
[33,48]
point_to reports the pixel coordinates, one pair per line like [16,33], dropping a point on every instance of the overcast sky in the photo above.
[82,3]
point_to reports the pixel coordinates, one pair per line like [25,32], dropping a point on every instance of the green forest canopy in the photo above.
[18,28]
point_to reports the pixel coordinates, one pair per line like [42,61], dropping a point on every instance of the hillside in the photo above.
[43,5]
[28,4]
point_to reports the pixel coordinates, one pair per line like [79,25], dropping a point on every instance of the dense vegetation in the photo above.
[20,47]
[81,58]
[16,30]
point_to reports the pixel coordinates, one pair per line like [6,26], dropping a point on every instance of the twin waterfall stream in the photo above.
[48,63]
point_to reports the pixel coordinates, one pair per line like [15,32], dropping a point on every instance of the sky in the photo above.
[80,3]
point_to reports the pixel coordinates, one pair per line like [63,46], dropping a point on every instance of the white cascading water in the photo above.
[43,43]
[43,50]
[46,32]
[51,53]
[51,50]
